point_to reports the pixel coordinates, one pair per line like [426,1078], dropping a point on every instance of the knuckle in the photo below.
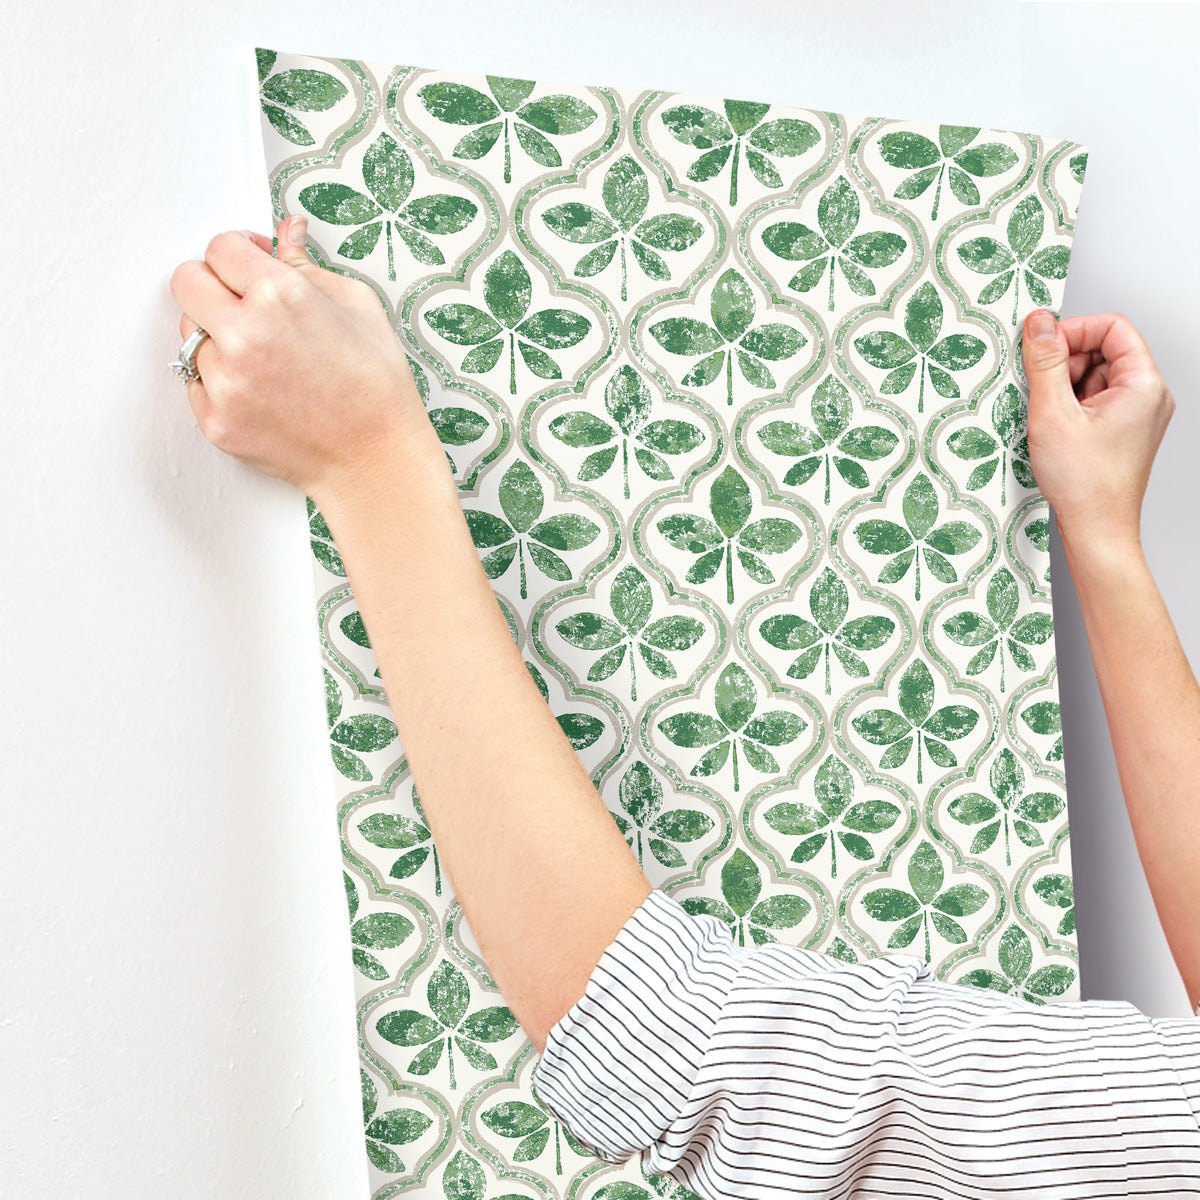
[261,291]
[276,291]
[181,276]
[234,343]
[292,288]
[217,243]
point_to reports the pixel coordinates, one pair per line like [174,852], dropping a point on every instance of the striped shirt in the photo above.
[774,1071]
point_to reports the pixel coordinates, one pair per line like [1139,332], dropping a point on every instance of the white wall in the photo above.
[175,987]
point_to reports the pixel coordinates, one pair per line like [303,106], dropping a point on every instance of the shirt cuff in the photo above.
[618,1066]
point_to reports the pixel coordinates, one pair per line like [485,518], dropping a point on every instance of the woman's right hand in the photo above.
[1098,409]
[302,376]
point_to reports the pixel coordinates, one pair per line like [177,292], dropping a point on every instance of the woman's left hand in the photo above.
[302,375]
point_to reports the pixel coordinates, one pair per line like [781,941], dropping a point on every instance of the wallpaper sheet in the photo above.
[733,394]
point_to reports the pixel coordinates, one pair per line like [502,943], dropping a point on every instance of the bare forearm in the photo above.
[543,875]
[1152,703]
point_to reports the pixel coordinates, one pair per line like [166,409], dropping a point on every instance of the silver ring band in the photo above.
[185,365]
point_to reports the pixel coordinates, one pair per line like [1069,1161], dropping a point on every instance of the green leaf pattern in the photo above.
[730,333]
[628,401]
[1005,446]
[834,244]
[922,352]
[830,438]
[925,906]
[1000,633]
[1010,806]
[742,452]
[384,205]
[1020,256]
[1015,977]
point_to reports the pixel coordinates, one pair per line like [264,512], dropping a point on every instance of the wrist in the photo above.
[400,462]
[1092,550]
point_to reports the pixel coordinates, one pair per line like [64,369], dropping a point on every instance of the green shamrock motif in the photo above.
[321,540]
[928,161]
[896,730]
[390,831]
[388,176]
[1045,719]
[532,1125]
[920,509]
[522,499]
[829,603]
[935,356]
[831,411]
[1016,958]
[741,908]
[508,292]
[833,787]
[735,700]
[1010,448]
[1058,891]
[732,308]
[396,1127]
[378,931]
[463,1179]
[1007,779]
[626,196]
[1038,532]
[720,137]
[987,256]
[641,796]
[534,122]
[582,729]
[999,628]
[926,903]
[631,602]
[838,213]
[301,90]
[448,994]
[627,399]
[365,733]
[730,505]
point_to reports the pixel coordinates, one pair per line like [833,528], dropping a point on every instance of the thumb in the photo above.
[291,246]
[1046,356]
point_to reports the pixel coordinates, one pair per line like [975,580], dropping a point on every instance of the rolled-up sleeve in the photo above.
[774,1071]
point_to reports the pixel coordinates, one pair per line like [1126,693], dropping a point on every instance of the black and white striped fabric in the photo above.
[773,1071]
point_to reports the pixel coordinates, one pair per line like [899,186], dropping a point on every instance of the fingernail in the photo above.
[296,229]
[1042,325]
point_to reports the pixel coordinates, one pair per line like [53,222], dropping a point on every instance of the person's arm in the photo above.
[304,378]
[541,870]
[1098,408]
